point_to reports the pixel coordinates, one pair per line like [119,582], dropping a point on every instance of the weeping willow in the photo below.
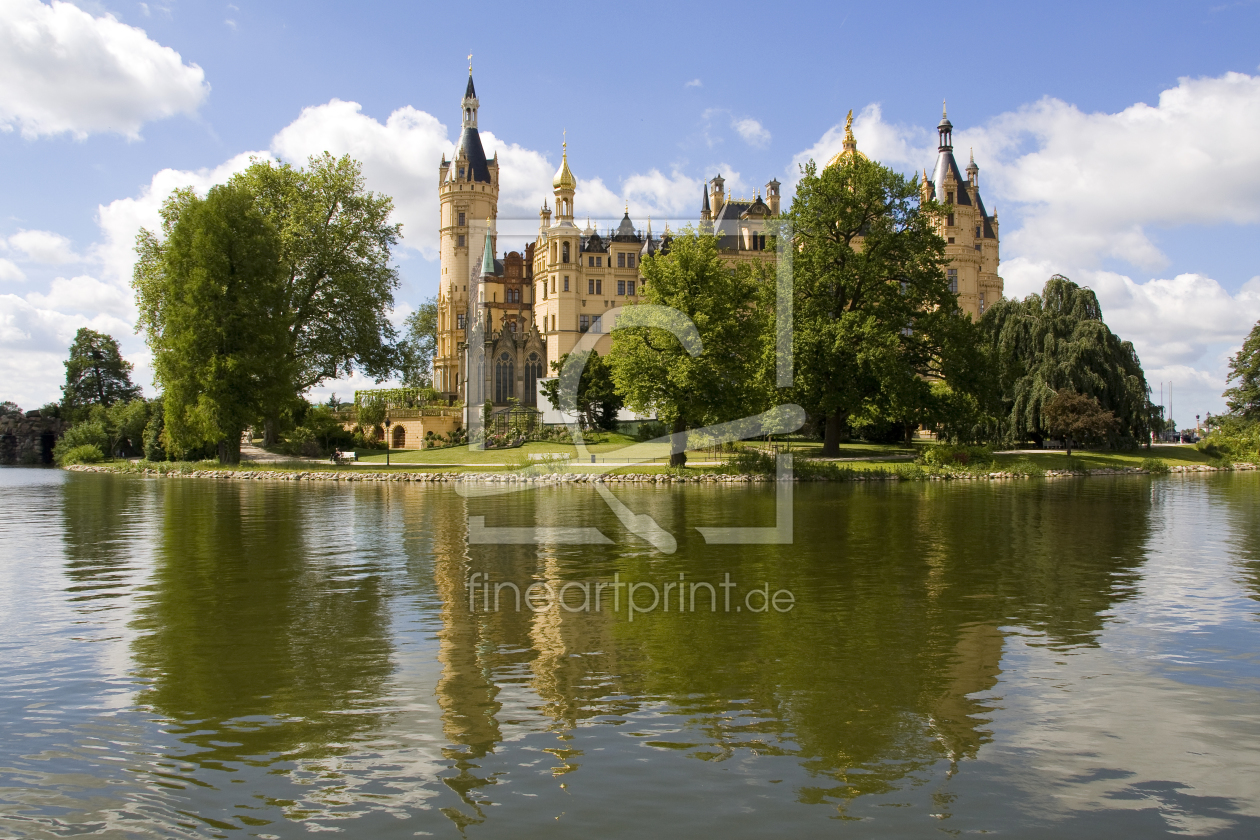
[1057,340]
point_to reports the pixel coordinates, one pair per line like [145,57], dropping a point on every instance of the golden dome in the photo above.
[564,179]
[850,150]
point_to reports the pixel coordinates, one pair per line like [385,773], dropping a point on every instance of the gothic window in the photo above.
[461,172]
[504,379]
[564,252]
[460,320]
[621,260]
[533,372]
[949,198]
[630,288]
[977,231]
[953,279]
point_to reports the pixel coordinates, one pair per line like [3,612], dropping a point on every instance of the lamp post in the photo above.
[387,422]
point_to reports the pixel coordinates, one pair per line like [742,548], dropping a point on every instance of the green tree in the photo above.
[1244,368]
[874,320]
[419,345]
[597,399]
[654,371]
[334,241]
[96,374]
[212,297]
[1076,417]
[1057,340]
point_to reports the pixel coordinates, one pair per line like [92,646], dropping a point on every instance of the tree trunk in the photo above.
[271,433]
[1069,446]
[832,433]
[678,444]
[230,449]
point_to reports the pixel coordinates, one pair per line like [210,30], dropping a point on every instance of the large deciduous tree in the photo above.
[213,296]
[96,374]
[1243,398]
[874,320]
[1057,340]
[654,371]
[334,246]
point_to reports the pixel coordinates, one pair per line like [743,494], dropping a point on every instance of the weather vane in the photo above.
[470,64]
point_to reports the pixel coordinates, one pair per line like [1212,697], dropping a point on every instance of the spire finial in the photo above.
[972,150]
[564,143]
[944,111]
[627,208]
[470,64]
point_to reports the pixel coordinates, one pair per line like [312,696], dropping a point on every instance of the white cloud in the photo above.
[10,272]
[899,146]
[753,132]
[43,246]
[87,295]
[66,71]
[694,83]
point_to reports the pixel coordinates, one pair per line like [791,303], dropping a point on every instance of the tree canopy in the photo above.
[96,374]
[1076,417]
[1057,340]
[1243,398]
[654,371]
[213,305]
[597,399]
[334,240]
[875,323]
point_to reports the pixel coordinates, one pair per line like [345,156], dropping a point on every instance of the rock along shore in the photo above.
[629,478]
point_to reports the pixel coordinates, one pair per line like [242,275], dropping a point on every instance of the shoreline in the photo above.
[350,476]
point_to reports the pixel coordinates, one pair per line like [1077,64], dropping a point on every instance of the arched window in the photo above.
[533,372]
[564,252]
[504,379]
[400,436]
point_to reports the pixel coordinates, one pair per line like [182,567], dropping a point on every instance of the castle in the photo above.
[528,309]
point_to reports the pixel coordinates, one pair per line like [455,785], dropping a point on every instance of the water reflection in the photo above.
[878,672]
[255,641]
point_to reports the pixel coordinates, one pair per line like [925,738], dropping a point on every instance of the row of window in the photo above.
[594,286]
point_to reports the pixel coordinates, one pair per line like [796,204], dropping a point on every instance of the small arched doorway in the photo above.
[400,437]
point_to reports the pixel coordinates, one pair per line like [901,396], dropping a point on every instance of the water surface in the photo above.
[198,658]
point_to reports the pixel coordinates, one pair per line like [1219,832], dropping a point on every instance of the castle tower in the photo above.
[468,192]
[971,238]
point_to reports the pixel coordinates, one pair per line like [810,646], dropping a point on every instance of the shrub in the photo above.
[749,462]
[86,453]
[1155,466]
[941,455]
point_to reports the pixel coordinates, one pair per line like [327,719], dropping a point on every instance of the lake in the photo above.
[201,658]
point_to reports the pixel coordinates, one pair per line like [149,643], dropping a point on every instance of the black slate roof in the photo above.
[625,231]
[945,163]
[470,145]
[594,244]
[470,92]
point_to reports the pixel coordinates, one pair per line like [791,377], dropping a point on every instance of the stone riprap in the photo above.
[628,478]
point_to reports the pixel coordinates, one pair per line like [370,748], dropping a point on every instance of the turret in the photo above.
[564,185]
[718,195]
[772,196]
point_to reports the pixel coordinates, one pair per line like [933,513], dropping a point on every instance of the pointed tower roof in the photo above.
[946,166]
[487,255]
[564,179]
[704,203]
[470,92]
[625,230]
[850,150]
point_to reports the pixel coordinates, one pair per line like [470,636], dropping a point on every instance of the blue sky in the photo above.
[1114,139]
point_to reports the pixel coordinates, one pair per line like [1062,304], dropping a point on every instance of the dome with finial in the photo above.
[564,179]
[850,150]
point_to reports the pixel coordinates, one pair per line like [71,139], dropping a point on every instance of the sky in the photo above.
[1119,143]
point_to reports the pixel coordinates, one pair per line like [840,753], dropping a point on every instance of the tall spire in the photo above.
[487,256]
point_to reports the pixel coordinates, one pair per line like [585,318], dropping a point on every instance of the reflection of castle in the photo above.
[534,307]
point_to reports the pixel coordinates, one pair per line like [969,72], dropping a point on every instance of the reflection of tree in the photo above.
[900,591]
[1237,495]
[246,619]
[101,515]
